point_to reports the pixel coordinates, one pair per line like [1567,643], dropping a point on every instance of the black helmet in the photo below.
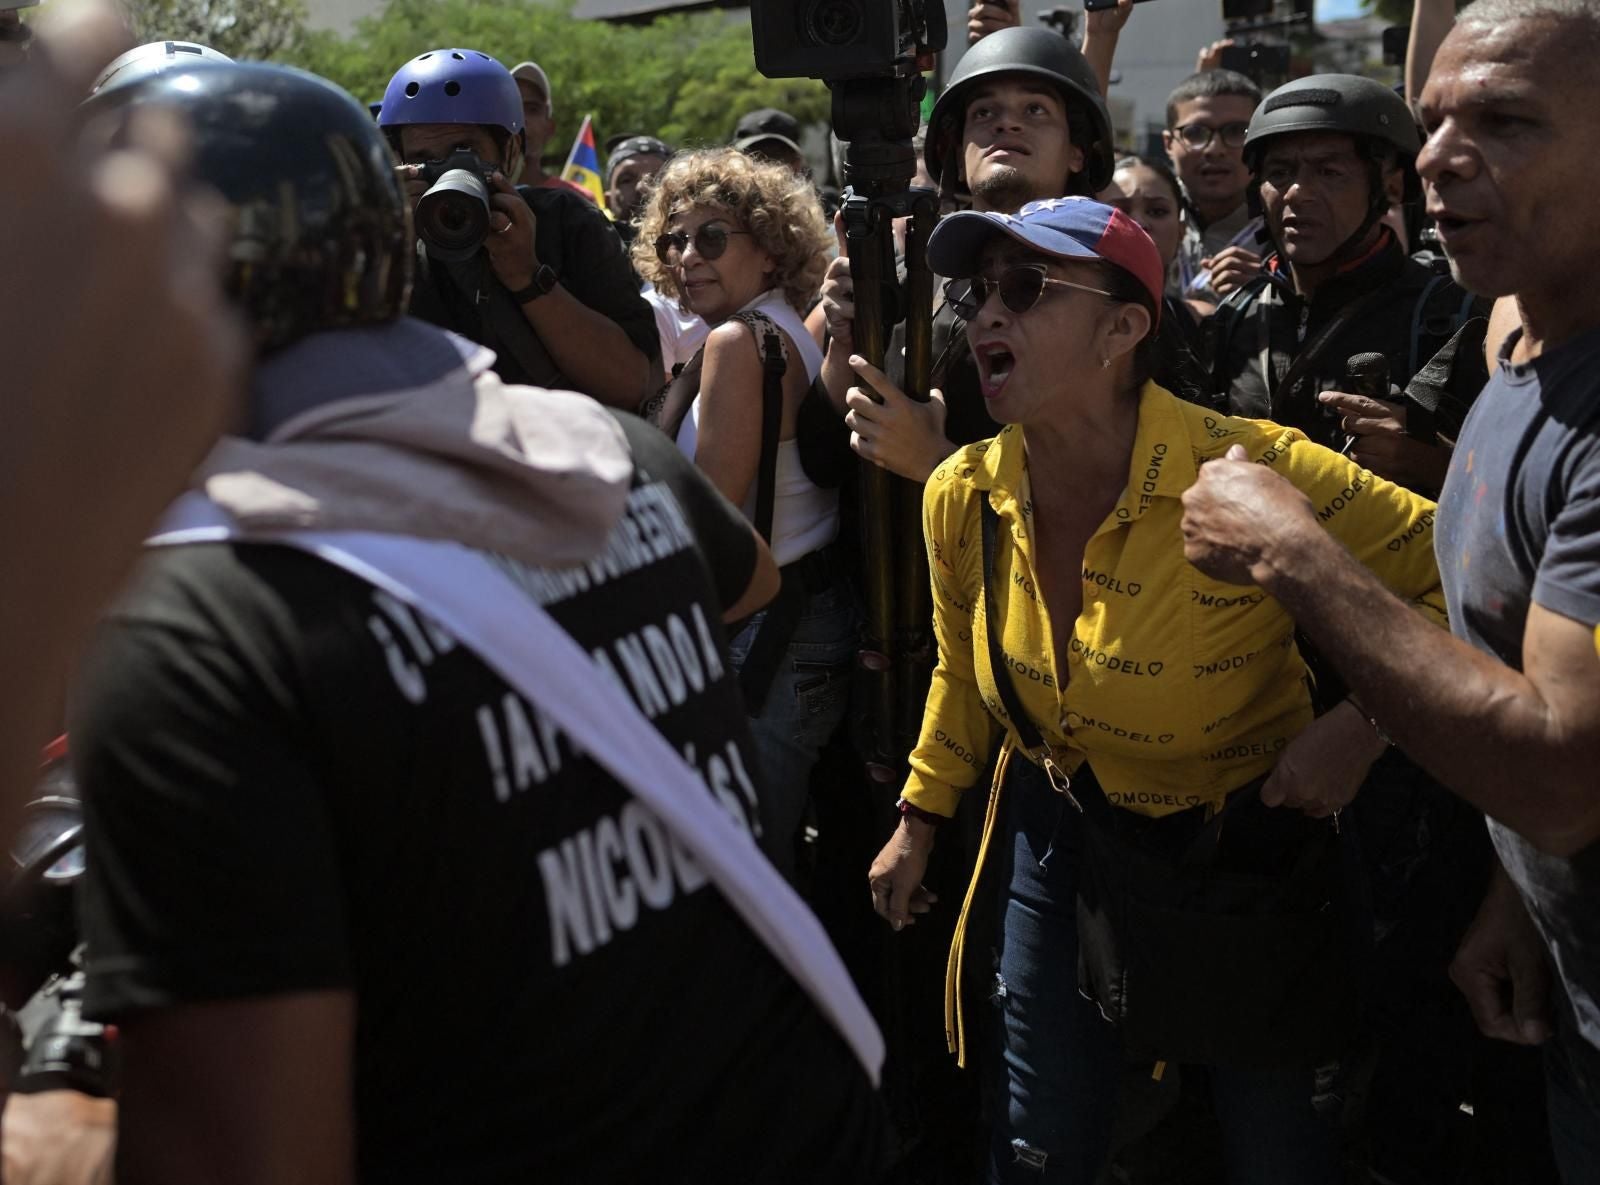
[1371,112]
[1043,53]
[321,229]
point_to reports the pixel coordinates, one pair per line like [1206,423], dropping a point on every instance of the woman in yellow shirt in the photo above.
[1167,688]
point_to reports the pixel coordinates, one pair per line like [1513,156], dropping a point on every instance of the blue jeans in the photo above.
[1574,1106]
[804,705]
[1053,1064]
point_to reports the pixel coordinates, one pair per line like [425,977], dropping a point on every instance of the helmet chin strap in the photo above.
[1351,249]
[1377,207]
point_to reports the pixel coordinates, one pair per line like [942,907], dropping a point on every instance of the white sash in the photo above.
[478,604]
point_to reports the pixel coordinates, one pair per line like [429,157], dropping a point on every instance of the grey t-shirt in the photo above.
[1519,524]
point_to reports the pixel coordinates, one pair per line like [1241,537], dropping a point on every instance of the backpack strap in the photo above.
[1224,324]
[1419,314]
[1429,333]
[774,362]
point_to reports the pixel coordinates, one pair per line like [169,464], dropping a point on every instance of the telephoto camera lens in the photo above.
[453,216]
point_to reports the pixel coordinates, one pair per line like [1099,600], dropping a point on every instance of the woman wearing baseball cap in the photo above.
[1137,701]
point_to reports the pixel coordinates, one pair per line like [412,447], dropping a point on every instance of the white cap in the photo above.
[534,72]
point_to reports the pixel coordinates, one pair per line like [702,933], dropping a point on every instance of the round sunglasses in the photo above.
[1020,288]
[710,241]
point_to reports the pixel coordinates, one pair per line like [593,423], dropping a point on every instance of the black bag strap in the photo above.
[1085,794]
[1221,327]
[774,362]
[1312,351]
[783,615]
[1027,731]
[1429,389]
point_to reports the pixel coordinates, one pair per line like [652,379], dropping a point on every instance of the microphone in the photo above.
[1366,374]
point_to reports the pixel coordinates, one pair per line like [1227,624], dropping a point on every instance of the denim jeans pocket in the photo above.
[820,687]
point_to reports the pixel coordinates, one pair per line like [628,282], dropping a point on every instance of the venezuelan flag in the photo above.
[583,163]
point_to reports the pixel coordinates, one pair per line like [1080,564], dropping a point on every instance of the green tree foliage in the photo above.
[684,77]
[249,29]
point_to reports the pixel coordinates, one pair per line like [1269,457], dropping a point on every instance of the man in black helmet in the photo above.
[363,904]
[1330,154]
[1021,120]
[1512,724]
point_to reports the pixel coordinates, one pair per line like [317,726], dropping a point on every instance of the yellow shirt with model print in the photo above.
[1179,688]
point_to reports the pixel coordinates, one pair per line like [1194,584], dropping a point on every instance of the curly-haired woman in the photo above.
[744,245]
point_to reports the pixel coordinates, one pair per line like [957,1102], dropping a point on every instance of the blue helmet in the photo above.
[452,86]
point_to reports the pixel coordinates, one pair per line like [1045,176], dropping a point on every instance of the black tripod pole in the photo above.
[913,602]
[876,118]
[867,230]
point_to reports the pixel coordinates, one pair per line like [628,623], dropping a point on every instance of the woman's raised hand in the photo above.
[892,430]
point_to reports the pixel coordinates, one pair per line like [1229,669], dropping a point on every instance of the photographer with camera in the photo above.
[424,847]
[535,274]
[1021,120]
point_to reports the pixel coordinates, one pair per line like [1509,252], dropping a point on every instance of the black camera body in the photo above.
[41,977]
[840,40]
[452,218]
[1264,64]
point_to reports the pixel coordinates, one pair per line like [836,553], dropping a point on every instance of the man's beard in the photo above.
[1004,189]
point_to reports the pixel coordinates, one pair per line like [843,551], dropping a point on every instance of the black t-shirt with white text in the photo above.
[295,783]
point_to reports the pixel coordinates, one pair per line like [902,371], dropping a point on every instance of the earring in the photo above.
[1104,362]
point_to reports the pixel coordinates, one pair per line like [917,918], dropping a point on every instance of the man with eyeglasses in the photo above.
[1208,115]
[550,290]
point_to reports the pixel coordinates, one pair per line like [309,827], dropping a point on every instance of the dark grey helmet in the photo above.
[1344,103]
[1042,53]
[1371,113]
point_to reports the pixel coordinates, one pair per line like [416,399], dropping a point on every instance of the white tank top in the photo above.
[804,516]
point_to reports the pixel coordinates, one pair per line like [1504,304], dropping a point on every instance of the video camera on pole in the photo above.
[838,40]
[1259,29]
[872,54]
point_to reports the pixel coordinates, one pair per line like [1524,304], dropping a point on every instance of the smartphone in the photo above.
[1257,61]
[1396,39]
[1097,5]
